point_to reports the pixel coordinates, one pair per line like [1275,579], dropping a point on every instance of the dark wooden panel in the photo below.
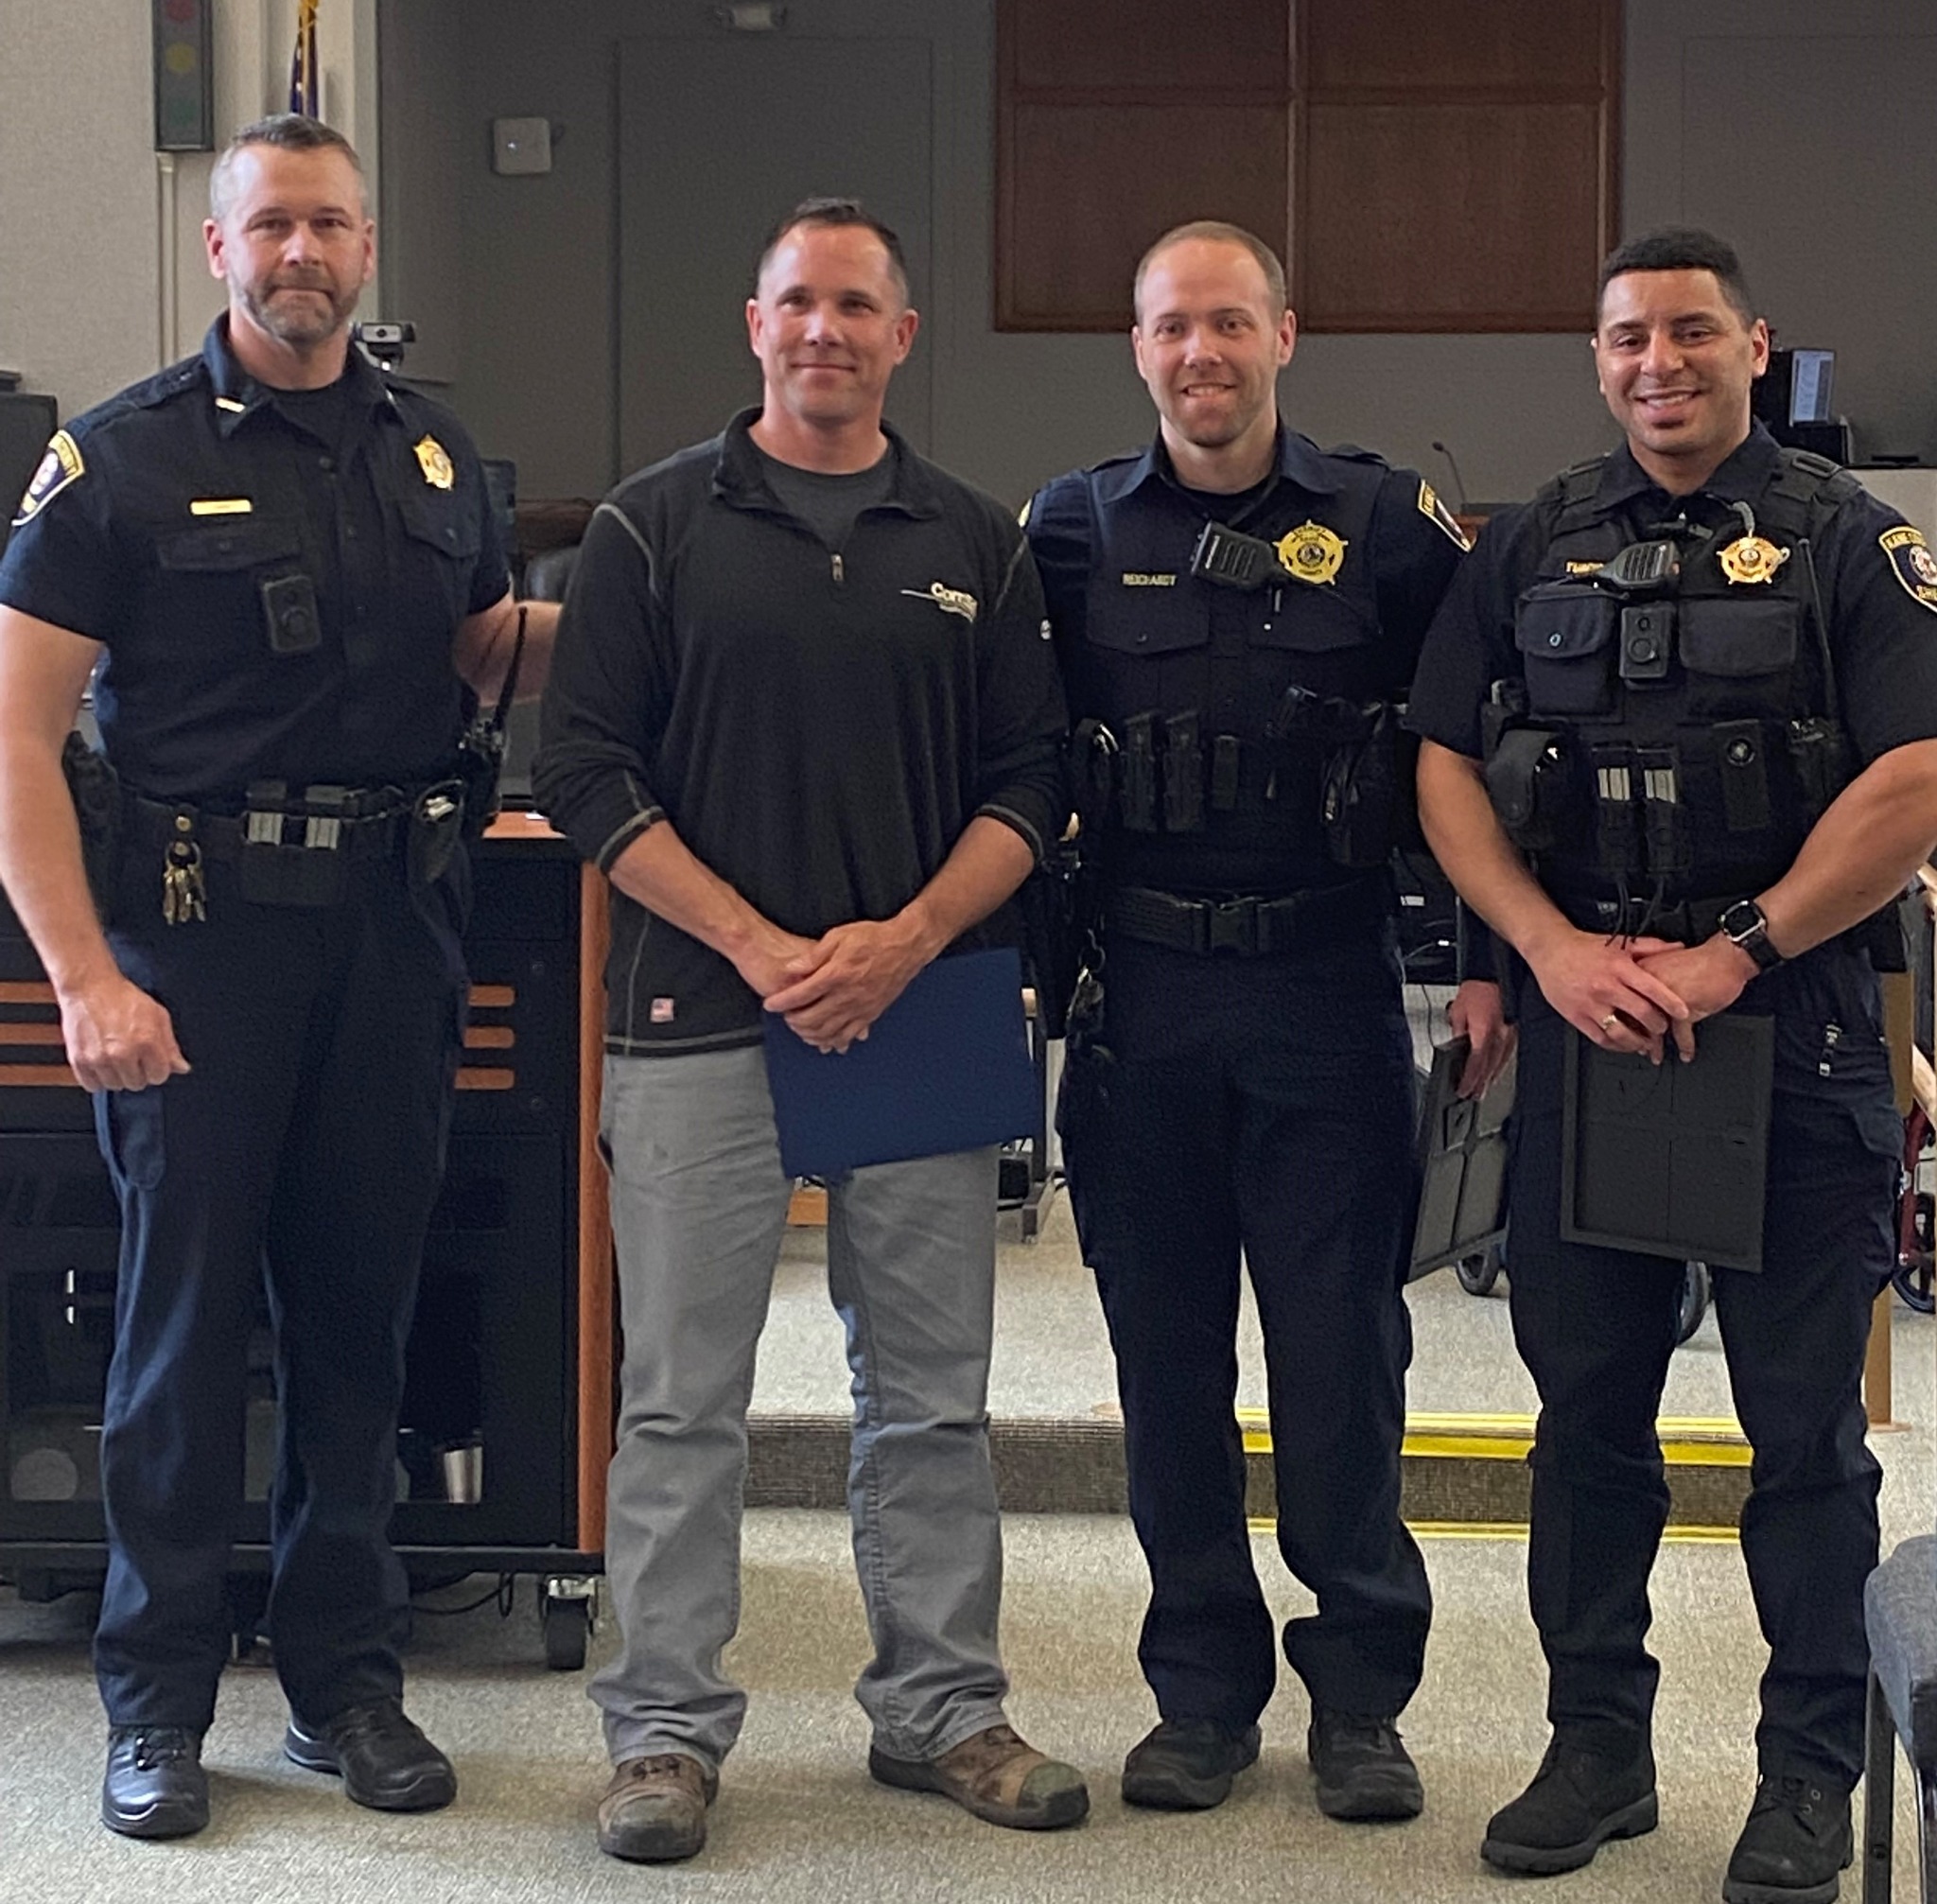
[1086,188]
[1080,46]
[1447,217]
[1543,44]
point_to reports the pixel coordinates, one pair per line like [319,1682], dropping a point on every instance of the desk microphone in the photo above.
[1458,487]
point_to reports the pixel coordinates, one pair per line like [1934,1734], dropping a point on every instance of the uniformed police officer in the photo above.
[1678,786]
[287,574]
[1247,1084]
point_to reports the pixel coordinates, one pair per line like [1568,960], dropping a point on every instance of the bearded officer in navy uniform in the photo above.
[288,574]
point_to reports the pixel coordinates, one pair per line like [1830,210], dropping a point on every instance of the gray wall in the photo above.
[1803,129]
[79,283]
[102,272]
[1808,133]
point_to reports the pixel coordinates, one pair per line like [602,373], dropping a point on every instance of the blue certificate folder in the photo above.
[946,1067]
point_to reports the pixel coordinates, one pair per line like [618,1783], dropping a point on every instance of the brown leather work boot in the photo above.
[995,1776]
[655,1809]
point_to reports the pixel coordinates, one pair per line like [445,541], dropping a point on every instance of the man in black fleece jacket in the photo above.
[805,717]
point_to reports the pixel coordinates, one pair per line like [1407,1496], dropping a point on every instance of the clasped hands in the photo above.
[832,989]
[1636,994]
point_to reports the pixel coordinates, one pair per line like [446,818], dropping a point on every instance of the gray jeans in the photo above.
[699,1203]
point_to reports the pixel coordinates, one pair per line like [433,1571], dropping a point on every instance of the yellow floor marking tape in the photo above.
[1686,1441]
[1516,1531]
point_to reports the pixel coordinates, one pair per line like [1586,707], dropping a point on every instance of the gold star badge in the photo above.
[1749,558]
[1312,553]
[434,461]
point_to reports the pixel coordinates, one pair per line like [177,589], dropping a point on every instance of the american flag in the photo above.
[305,81]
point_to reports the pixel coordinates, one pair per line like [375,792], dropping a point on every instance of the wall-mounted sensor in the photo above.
[521,145]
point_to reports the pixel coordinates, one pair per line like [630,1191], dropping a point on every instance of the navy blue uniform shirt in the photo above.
[1136,632]
[1882,633]
[162,514]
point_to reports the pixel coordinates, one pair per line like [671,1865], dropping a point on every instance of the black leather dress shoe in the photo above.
[384,1761]
[155,1786]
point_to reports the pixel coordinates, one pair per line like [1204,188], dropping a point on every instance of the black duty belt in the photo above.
[374,832]
[1245,926]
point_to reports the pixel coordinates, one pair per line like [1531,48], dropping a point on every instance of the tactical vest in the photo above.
[1166,649]
[1675,742]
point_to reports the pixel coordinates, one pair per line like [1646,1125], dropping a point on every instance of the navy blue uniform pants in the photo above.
[1261,1108]
[303,1153]
[1596,1328]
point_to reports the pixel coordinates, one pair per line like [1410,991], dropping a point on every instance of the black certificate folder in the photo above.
[945,1067]
[1672,1158]
[1462,1156]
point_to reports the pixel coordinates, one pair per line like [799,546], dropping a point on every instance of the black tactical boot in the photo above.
[1578,1801]
[1361,1768]
[1798,1838]
[1187,1764]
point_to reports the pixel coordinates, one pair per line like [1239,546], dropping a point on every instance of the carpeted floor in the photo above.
[798,1821]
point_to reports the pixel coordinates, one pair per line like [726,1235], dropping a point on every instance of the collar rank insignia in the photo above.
[434,461]
[61,466]
[1437,513]
[1312,553]
[1749,558]
[1911,563]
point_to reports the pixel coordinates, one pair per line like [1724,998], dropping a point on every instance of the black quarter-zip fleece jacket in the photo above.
[819,725]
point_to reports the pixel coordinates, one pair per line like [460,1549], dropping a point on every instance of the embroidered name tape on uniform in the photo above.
[60,467]
[1912,563]
[950,600]
[1435,511]
[1312,553]
[434,461]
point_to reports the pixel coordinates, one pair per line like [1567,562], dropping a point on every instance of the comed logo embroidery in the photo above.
[950,600]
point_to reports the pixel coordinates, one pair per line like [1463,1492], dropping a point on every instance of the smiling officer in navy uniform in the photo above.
[1679,721]
[287,574]
[1246,1084]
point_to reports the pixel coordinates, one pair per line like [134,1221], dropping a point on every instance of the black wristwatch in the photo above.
[1746,925]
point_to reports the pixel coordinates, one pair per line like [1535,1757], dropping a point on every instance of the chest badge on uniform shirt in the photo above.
[1312,553]
[434,461]
[1911,563]
[1752,558]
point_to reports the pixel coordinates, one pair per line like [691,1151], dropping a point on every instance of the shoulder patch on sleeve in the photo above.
[1911,563]
[1435,511]
[58,467]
